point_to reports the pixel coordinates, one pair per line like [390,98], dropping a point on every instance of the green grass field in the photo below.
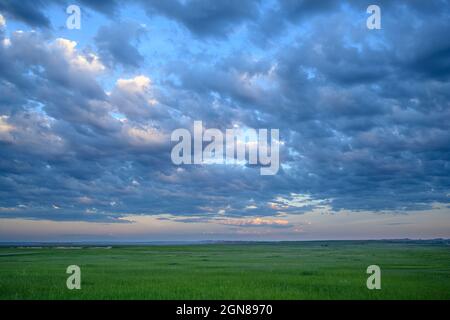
[300,270]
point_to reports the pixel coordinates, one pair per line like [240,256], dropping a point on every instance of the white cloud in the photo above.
[6,42]
[141,136]
[137,84]
[2,21]
[87,62]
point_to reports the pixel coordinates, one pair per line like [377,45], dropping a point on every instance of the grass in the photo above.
[300,270]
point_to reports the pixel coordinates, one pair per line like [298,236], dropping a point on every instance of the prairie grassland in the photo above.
[297,270]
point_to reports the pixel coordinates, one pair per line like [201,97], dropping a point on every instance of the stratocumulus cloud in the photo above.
[86,116]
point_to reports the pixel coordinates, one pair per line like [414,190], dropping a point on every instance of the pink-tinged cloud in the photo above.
[257,222]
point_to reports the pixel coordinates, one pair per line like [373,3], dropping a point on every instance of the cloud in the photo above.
[258,222]
[5,129]
[83,63]
[117,43]
[2,21]
[106,7]
[363,115]
[33,12]
[29,12]
[136,98]
[206,18]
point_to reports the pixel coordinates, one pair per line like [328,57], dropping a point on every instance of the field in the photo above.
[298,270]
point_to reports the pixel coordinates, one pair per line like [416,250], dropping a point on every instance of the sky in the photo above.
[86,117]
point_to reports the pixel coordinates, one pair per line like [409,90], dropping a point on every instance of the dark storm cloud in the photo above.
[363,114]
